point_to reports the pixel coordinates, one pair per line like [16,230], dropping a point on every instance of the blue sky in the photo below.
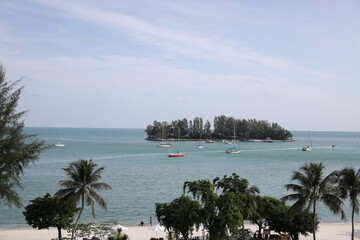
[124,64]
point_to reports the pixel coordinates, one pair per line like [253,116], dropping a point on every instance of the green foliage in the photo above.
[349,184]
[102,231]
[179,216]
[277,216]
[223,129]
[47,211]
[311,189]
[82,185]
[245,199]
[225,204]
[17,150]
[119,235]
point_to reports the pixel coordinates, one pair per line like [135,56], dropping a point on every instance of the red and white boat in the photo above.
[176,154]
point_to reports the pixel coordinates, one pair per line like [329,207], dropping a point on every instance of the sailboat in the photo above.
[233,149]
[177,153]
[200,145]
[162,142]
[59,144]
[308,147]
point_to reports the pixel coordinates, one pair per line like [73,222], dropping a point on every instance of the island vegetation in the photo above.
[223,128]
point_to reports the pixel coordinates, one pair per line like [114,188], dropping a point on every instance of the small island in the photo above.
[224,128]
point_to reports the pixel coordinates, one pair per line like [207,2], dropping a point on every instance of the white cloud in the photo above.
[169,76]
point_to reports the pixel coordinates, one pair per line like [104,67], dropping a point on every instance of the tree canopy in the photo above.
[349,184]
[17,150]
[47,211]
[277,216]
[223,129]
[311,188]
[82,186]
[179,216]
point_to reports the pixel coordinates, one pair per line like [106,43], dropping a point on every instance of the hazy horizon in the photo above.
[124,64]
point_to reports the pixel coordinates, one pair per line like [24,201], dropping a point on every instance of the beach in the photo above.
[327,231]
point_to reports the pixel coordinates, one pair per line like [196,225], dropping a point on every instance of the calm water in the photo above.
[141,174]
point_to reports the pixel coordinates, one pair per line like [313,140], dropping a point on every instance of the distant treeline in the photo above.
[223,129]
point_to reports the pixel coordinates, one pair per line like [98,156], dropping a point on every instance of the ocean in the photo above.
[142,174]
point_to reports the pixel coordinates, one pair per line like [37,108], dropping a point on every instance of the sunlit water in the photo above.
[141,174]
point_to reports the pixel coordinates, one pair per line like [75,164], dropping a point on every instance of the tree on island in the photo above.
[349,183]
[82,185]
[17,150]
[311,189]
[223,129]
[47,211]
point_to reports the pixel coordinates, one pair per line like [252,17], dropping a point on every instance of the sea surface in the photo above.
[142,174]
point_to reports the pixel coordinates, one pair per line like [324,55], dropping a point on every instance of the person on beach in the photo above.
[141,223]
[150,221]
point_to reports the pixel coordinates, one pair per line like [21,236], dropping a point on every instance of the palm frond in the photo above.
[83,177]
[292,197]
[98,199]
[100,186]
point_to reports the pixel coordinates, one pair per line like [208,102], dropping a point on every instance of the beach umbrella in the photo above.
[119,226]
[157,228]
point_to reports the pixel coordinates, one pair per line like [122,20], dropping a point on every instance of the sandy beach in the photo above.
[327,231]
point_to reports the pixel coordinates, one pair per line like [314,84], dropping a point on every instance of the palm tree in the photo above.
[312,188]
[349,183]
[82,185]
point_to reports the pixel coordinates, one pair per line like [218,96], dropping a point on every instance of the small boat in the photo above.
[164,144]
[199,146]
[227,142]
[209,141]
[176,154]
[232,150]
[59,145]
[268,140]
[308,147]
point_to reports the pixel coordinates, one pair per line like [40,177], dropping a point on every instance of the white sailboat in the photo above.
[59,144]
[162,142]
[233,149]
[177,153]
[309,145]
[200,145]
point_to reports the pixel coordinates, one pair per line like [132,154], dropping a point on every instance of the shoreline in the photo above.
[219,140]
[326,231]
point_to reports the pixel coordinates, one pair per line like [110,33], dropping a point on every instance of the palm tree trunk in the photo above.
[78,219]
[352,223]
[59,232]
[314,220]
[243,229]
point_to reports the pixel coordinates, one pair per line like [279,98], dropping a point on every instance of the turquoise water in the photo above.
[141,174]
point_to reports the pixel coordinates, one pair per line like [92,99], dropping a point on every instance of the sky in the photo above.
[124,64]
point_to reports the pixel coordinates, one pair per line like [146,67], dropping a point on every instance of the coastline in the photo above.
[220,140]
[326,231]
